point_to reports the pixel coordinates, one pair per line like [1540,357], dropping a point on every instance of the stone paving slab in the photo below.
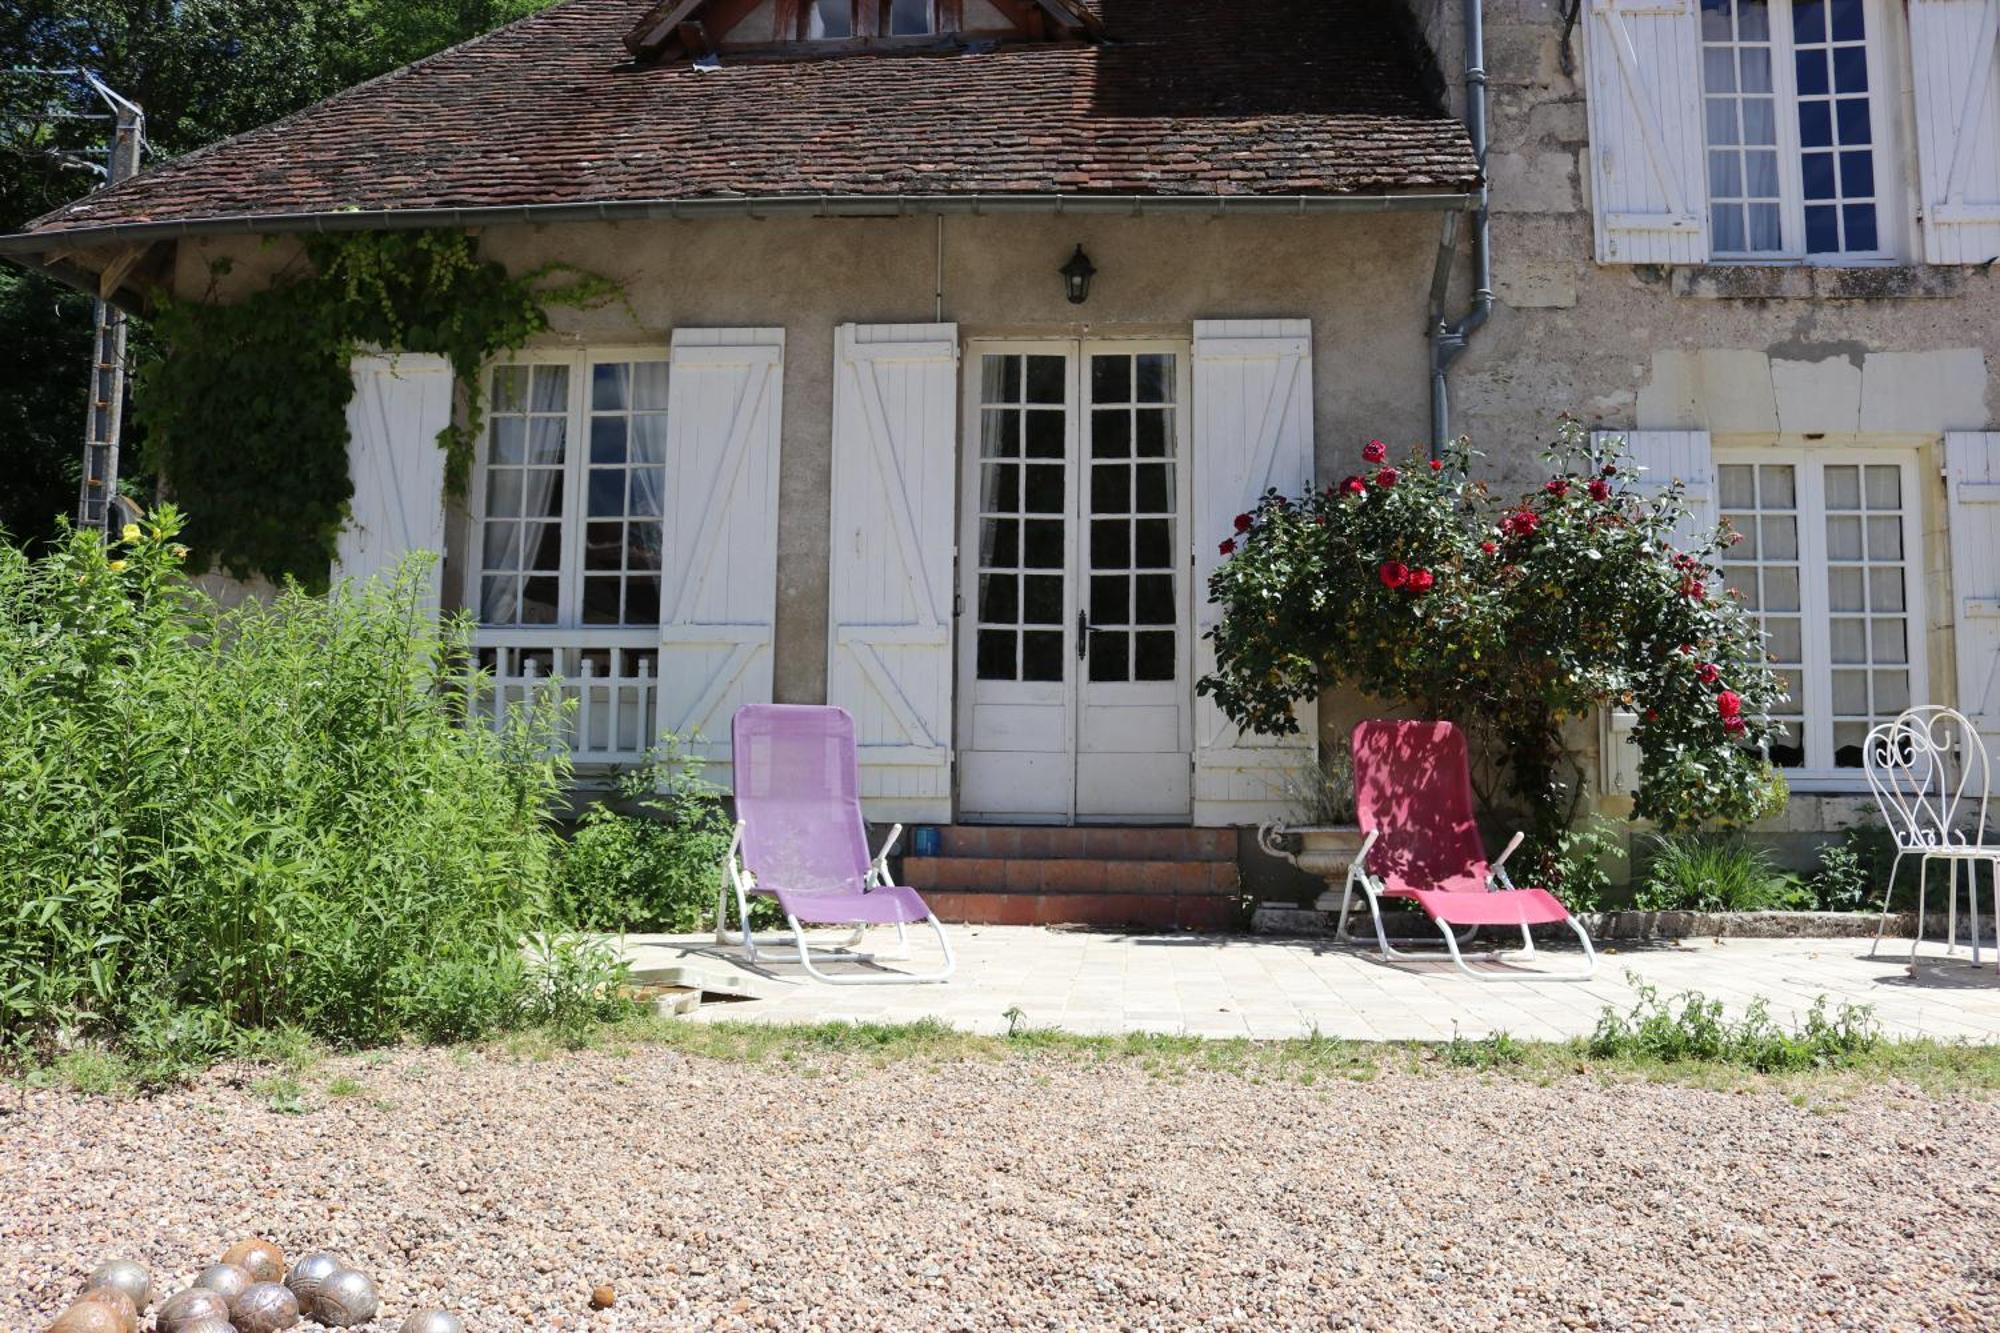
[1098,982]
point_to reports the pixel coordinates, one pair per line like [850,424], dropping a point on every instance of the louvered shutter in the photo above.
[889,659]
[401,401]
[1956,85]
[1648,180]
[1666,456]
[720,588]
[1972,489]
[1253,430]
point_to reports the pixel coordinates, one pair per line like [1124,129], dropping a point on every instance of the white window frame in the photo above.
[576,469]
[1815,615]
[1892,212]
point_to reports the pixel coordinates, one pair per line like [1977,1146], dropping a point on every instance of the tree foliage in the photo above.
[202,69]
[1514,617]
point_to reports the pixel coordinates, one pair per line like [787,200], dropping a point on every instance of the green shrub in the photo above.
[576,982]
[1695,873]
[1842,883]
[1873,849]
[1699,1031]
[1576,865]
[227,819]
[658,869]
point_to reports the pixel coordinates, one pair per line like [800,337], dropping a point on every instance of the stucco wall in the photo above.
[1360,279]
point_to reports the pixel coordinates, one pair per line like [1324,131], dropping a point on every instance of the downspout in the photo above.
[1448,340]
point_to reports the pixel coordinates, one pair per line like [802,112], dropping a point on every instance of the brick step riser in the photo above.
[1101,844]
[1070,875]
[1148,911]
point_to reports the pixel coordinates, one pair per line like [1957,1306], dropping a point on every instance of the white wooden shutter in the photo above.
[1647,173]
[1253,430]
[1972,481]
[719,597]
[889,662]
[1666,456]
[1956,82]
[400,403]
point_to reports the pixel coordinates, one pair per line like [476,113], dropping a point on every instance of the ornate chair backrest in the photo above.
[1927,768]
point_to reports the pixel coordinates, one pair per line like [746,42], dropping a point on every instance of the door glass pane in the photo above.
[1867,573]
[625,495]
[1830,60]
[1760,500]
[1132,516]
[1011,598]
[526,454]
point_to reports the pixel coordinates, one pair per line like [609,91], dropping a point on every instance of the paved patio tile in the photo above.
[1110,982]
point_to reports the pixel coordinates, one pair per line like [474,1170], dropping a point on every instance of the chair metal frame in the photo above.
[1923,766]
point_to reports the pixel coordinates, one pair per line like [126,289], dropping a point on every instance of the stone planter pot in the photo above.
[1325,850]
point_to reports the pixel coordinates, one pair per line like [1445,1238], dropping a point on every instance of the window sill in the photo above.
[1817,282]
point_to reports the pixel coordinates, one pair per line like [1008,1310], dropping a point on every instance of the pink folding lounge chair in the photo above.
[800,839]
[1413,797]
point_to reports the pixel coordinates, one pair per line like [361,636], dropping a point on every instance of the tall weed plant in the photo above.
[1703,873]
[219,819]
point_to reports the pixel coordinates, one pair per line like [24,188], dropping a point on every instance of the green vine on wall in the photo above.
[245,412]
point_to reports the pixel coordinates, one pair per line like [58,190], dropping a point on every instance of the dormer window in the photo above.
[840,20]
[728,30]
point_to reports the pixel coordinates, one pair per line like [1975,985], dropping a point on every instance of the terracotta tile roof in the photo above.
[1252,97]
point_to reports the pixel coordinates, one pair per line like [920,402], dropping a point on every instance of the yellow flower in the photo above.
[117,565]
[179,552]
[130,532]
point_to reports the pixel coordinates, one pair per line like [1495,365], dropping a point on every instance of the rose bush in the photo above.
[1510,617]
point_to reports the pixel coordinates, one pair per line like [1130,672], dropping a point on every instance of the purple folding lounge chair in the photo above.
[800,839]
[1413,798]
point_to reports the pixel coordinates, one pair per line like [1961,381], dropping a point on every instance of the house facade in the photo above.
[863,430]
[1756,238]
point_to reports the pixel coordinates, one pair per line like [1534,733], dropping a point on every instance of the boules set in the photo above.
[250,1290]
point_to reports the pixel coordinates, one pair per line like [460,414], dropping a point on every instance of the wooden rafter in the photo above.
[121,265]
[656,27]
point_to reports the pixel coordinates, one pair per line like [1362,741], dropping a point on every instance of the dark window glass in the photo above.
[1045,379]
[1108,653]
[1003,489]
[1850,118]
[1044,493]
[1003,544]
[1110,379]
[642,545]
[1110,600]
[1859,220]
[604,546]
[1045,544]
[607,435]
[607,493]
[1042,599]
[1816,175]
[1809,20]
[1815,125]
[1001,435]
[1110,490]
[996,654]
[1857,175]
[642,600]
[600,601]
[999,598]
[1045,434]
[1850,69]
[1153,655]
[538,602]
[1152,434]
[1155,600]
[1155,488]
[1042,656]
[1810,67]
[909,18]
[1155,543]
[1156,377]
[1822,230]
[1110,544]
[1111,434]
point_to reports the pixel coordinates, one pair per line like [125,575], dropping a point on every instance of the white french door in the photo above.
[1076,672]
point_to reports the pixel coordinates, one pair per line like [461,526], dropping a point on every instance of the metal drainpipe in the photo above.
[1448,341]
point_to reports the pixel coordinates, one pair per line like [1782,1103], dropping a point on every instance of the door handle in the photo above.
[1082,633]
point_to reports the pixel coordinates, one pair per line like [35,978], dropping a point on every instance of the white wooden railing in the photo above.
[612,673]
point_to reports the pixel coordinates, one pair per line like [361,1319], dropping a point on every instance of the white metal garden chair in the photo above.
[1927,767]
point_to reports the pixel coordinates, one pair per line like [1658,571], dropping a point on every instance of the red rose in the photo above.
[1228,546]
[1243,522]
[1733,725]
[1489,548]
[1388,476]
[1520,523]
[1437,465]
[1600,489]
[1610,469]
[1421,580]
[1652,715]
[1374,451]
[1556,486]
[1693,588]
[1687,650]
[1393,573]
[1708,673]
[1354,486]
[1729,703]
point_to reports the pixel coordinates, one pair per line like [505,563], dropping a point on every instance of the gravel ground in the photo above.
[1040,1193]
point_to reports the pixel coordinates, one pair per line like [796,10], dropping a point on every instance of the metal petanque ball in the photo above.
[117,1302]
[261,1259]
[226,1280]
[344,1299]
[125,1275]
[264,1307]
[308,1273]
[90,1317]
[433,1321]
[191,1311]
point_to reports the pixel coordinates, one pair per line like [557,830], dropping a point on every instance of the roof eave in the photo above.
[22,245]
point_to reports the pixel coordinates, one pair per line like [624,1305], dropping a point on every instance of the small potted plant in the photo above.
[1321,838]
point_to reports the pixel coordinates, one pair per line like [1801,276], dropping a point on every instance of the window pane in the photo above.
[1725,174]
[649,438]
[1889,640]
[1110,656]
[1042,655]
[649,386]
[1850,70]
[1850,693]
[1738,485]
[503,491]
[1816,175]
[1111,434]
[1780,537]
[1885,589]
[1885,539]
[547,438]
[1781,589]
[509,440]
[1843,538]
[1823,231]
[831,19]
[550,391]
[607,439]
[1892,692]
[1843,487]
[510,388]
[1110,600]
[908,18]
[1844,590]
[1722,122]
[1153,655]
[1809,67]
[1766,229]
[1111,489]
[1156,377]
[1045,378]
[1044,434]
[1858,227]
[996,654]
[1755,64]
[1110,379]
[1815,125]
[610,388]
[1848,639]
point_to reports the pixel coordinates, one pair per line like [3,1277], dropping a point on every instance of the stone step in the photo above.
[1089,842]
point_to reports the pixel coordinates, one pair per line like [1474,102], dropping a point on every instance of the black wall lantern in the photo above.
[1076,276]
